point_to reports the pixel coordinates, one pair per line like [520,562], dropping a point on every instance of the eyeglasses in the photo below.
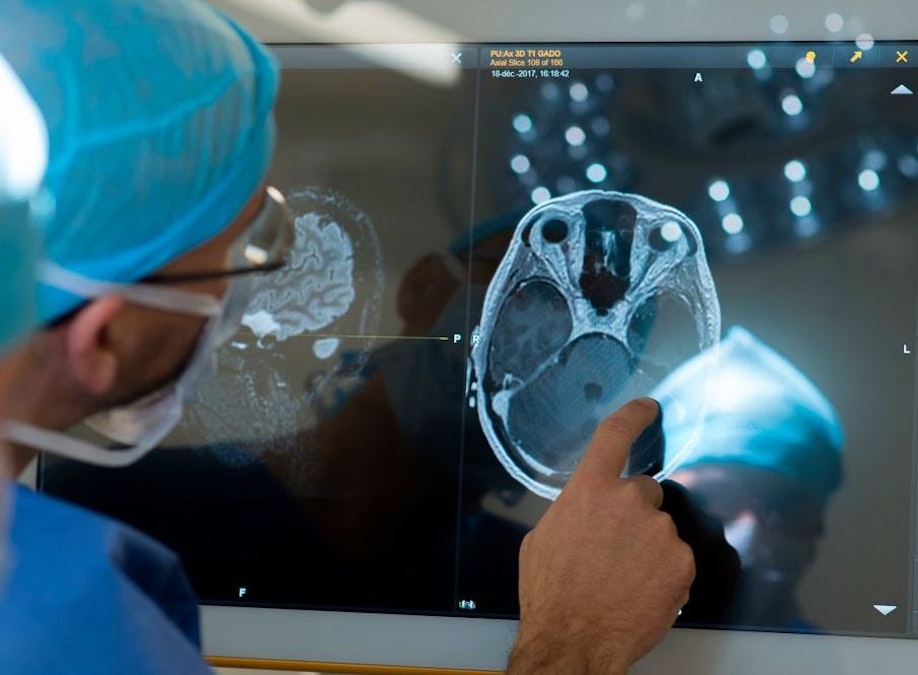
[264,246]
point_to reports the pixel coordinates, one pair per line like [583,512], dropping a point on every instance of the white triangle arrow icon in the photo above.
[885,610]
[901,90]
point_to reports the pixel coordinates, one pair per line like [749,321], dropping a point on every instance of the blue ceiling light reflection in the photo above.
[719,191]
[908,165]
[756,59]
[875,159]
[575,136]
[600,126]
[566,184]
[520,164]
[596,173]
[868,180]
[522,123]
[791,105]
[565,131]
[807,228]
[795,171]
[579,92]
[540,194]
[732,223]
[805,69]
[801,206]
[784,162]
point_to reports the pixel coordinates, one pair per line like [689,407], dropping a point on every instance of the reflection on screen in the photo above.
[488,264]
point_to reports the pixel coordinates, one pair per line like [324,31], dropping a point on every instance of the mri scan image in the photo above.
[600,295]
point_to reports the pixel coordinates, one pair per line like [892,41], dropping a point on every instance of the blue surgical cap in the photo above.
[23,155]
[160,121]
[757,409]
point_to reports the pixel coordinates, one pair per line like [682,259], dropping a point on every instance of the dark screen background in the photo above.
[376,489]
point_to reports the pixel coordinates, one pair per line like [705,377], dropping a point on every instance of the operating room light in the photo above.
[522,124]
[805,68]
[575,136]
[520,164]
[719,191]
[792,105]
[756,59]
[579,92]
[732,223]
[869,180]
[540,194]
[795,171]
[801,206]
[596,173]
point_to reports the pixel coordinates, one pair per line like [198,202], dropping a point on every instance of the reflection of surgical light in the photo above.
[719,191]
[671,232]
[864,41]
[566,184]
[579,92]
[540,194]
[520,164]
[908,165]
[600,126]
[835,23]
[806,69]
[795,171]
[550,91]
[876,160]
[522,123]
[596,173]
[575,136]
[806,228]
[779,24]
[782,197]
[732,223]
[756,59]
[792,105]
[801,206]
[869,180]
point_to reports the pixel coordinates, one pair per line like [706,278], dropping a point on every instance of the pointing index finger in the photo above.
[607,453]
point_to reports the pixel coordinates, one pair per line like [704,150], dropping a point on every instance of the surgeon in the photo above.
[161,133]
[765,464]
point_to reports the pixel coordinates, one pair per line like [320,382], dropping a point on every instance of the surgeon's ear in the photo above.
[92,351]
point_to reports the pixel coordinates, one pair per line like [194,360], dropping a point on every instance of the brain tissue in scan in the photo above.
[599,296]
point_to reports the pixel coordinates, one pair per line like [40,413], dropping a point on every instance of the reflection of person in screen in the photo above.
[603,574]
[765,465]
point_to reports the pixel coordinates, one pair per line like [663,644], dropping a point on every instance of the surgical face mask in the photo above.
[143,424]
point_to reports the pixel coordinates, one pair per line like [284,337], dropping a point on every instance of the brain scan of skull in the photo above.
[276,375]
[599,296]
[315,288]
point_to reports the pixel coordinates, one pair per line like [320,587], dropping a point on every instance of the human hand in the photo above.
[604,573]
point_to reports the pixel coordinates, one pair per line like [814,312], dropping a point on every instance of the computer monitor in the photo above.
[498,242]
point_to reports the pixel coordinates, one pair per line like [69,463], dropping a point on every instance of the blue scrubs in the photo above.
[88,595]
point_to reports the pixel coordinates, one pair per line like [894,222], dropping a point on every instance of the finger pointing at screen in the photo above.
[604,573]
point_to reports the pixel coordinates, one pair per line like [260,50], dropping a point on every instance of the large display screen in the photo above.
[499,244]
